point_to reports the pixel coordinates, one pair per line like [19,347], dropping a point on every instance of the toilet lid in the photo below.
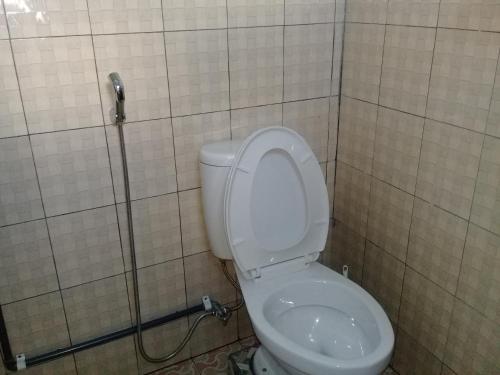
[276,202]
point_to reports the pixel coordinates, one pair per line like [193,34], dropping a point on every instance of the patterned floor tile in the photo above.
[215,362]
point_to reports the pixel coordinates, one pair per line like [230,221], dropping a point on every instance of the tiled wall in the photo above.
[195,72]
[417,197]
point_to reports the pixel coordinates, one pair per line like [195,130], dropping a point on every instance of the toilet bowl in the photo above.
[266,207]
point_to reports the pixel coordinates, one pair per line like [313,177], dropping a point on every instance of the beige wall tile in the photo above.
[62,366]
[247,13]
[447,371]
[190,133]
[352,196]
[413,12]
[338,47]
[448,167]
[26,265]
[436,244]
[493,124]
[305,11]
[73,170]
[464,14]
[462,77]
[486,206]
[150,159]
[194,15]
[383,278]
[12,120]
[479,283]
[58,83]
[212,334]
[363,50]
[245,328]
[140,60]
[86,246]
[204,269]
[247,120]
[330,183]
[97,308]
[309,118]
[472,346]
[198,71]
[47,18]
[3,25]
[406,68]
[396,155]
[358,122]
[425,312]
[157,230]
[109,17]
[26,332]
[333,128]
[308,61]
[194,233]
[115,358]
[389,218]
[367,11]
[412,358]
[344,247]
[256,66]
[161,289]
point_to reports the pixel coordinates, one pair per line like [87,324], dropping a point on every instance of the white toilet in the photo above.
[266,207]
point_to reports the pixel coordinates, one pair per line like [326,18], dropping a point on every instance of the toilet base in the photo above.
[264,363]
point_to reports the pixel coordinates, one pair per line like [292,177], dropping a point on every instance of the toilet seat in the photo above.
[276,203]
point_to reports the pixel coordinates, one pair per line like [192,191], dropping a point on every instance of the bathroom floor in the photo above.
[216,362]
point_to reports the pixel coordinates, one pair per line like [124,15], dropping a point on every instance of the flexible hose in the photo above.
[135,282]
[241,303]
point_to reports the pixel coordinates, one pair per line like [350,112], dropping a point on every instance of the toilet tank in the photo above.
[215,162]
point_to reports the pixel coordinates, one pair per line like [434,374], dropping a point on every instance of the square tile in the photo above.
[338,48]
[383,278]
[413,12]
[486,205]
[412,358]
[308,61]
[150,159]
[479,284]
[398,139]
[462,78]
[194,15]
[436,244]
[463,14]
[217,361]
[305,12]
[248,13]
[352,197]
[47,18]
[19,194]
[157,232]
[425,312]
[198,71]
[406,69]
[245,328]
[140,60]
[449,163]
[190,133]
[493,124]
[184,368]
[247,120]
[389,218]
[363,50]
[26,265]
[161,289]
[86,246]
[310,119]
[116,358]
[194,233]
[73,170]
[58,83]
[3,25]
[256,66]
[27,333]
[97,308]
[204,269]
[358,122]
[344,247]
[333,128]
[472,346]
[12,120]
[366,11]
[110,17]
[212,334]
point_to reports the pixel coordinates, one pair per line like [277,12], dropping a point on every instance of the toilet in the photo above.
[266,207]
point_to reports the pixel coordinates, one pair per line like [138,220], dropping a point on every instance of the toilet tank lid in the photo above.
[220,154]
